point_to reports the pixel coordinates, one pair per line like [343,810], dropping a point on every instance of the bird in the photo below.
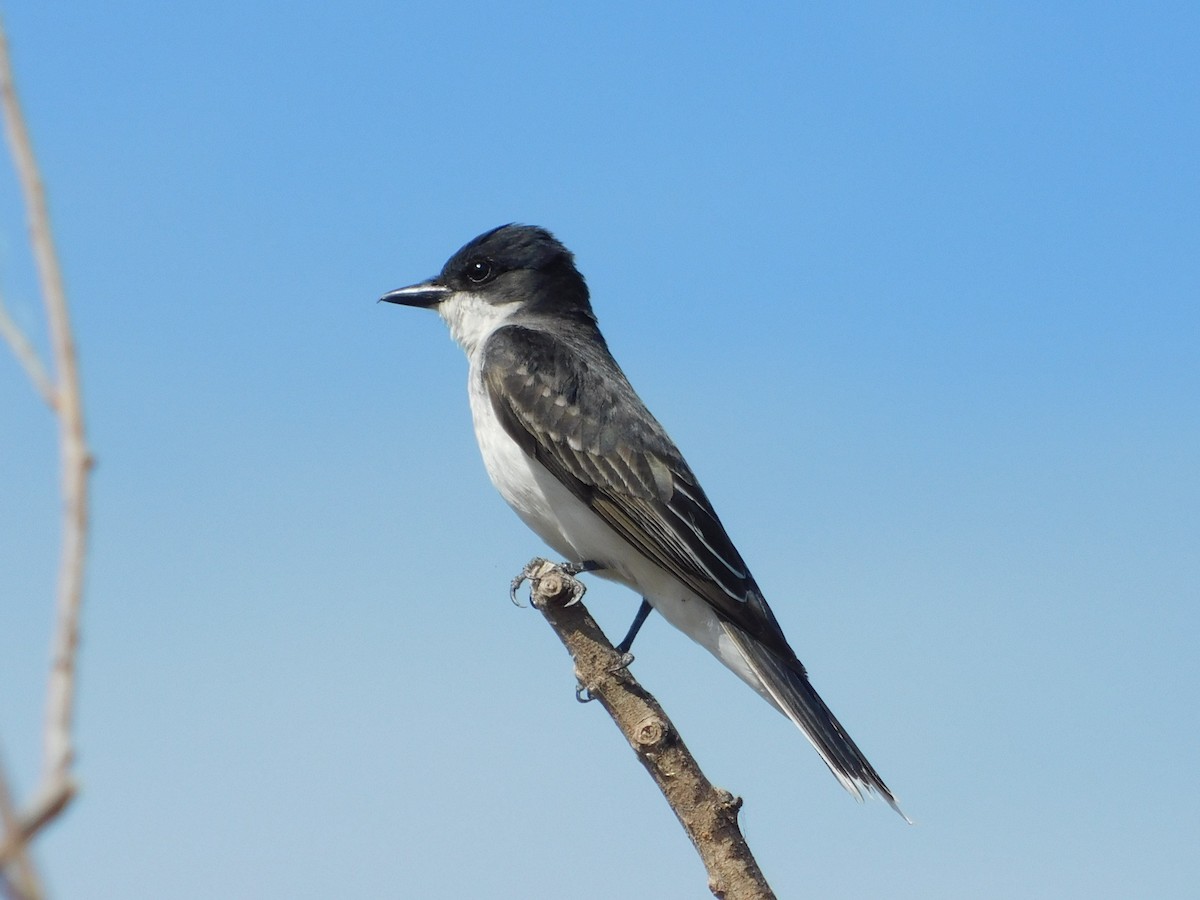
[572,448]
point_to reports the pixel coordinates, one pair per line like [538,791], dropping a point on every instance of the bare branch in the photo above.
[708,814]
[57,787]
[27,357]
[44,809]
[25,883]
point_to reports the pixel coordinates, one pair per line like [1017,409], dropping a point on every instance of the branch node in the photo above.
[651,733]
[550,589]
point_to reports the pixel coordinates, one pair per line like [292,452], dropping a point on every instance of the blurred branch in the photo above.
[26,356]
[25,883]
[63,394]
[708,814]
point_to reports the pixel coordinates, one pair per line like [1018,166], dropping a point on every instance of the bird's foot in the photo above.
[526,574]
[583,692]
[537,570]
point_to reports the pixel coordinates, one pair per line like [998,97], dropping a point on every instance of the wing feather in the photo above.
[568,404]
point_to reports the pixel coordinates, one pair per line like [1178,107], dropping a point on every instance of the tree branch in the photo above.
[25,883]
[65,398]
[27,357]
[708,814]
[76,461]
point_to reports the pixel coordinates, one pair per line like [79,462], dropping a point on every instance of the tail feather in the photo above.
[787,684]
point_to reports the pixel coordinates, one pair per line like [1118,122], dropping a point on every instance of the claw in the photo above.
[530,573]
[537,568]
[583,693]
[516,586]
[578,589]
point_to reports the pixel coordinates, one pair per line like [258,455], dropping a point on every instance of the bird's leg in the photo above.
[582,694]
[588,565]
[537,568]
[638,621]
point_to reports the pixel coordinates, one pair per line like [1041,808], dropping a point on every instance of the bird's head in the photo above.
[508,271]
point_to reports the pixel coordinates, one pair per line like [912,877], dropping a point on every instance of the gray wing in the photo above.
[571,408]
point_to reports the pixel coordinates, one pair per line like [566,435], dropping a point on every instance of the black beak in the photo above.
[425,295]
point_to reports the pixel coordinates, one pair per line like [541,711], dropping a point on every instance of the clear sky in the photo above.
[917,291]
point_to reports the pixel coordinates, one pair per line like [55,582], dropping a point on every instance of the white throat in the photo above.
[472,319]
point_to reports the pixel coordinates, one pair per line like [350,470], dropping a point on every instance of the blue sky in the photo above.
[915,289]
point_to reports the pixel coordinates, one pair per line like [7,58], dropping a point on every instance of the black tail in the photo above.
[787,684]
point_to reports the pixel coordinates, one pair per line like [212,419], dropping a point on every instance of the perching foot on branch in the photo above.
[557,578]
[708,814]
[624,661]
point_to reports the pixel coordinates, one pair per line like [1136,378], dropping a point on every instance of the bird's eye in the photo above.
[479,271]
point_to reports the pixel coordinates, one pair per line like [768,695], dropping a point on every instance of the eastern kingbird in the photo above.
[575,452]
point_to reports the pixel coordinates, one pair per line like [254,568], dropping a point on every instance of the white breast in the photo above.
[524,483]
[562,520]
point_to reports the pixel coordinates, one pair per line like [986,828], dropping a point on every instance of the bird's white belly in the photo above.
[525,484]
[564,522]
